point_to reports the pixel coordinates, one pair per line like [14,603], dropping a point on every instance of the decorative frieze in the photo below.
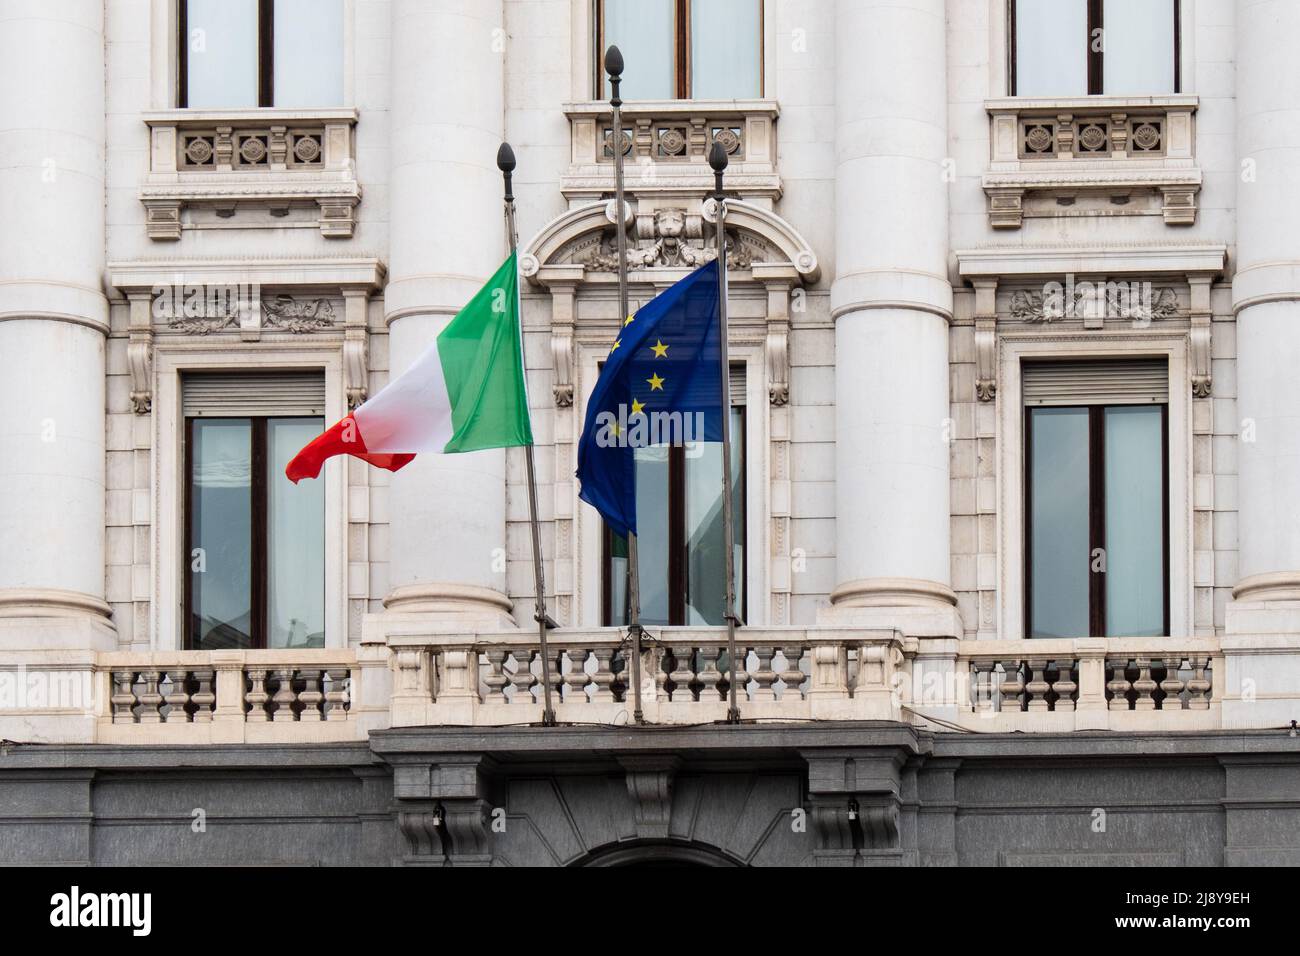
[271,159]
[297,315]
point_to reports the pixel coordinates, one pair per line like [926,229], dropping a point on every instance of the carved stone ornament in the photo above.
[297,316]
[1095,300]
[215,320]
[670,239]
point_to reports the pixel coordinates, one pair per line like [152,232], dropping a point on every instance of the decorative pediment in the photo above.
[668,236]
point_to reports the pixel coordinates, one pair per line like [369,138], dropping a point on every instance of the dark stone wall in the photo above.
[855,795]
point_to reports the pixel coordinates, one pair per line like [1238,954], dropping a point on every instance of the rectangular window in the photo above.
[679,512]
[683,49]
[1096,490]
[254,542]
[1087,47]
[253,53]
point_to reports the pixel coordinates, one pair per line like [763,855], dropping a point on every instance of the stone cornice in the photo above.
[1028,260]
[342,273]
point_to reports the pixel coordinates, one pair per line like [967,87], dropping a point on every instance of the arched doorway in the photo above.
[654,853]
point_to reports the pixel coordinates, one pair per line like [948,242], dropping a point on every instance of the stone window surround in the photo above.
[1010,442]
[592,347]
[168,480]
[999,353]
[156,363]
[165,194]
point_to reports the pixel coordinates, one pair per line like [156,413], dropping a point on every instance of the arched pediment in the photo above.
[667,238]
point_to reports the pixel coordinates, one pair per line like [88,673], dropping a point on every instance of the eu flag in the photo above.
[661,385]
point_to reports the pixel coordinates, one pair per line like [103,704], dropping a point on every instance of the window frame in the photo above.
[681,49]
[265,54]
[260,492]
[678,571]
[1096,58]
[1096,515]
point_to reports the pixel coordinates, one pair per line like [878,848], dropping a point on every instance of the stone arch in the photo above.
[658,853]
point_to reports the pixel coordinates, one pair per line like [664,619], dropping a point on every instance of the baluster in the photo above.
[1198,685]
[621,667]
[1013,685]
[150,699]
[523,678]
[763,675]
[793,676]
[603,678]
[576,680]
[708,675]
[204,697]
[982,701]
[1118,685]
[311,696]
[1145,686]
[256,696]
[1037,688]
[1172,685]
[1065,686]
[496,678]
[123,699]
[683,674]
[176,698]
[284,696]
[742,675]
[336,693]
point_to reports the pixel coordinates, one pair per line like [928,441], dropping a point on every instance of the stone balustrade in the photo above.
[786,673]
[1058,157]
[234,696]
[1089,683]
[666,146]
[271,160]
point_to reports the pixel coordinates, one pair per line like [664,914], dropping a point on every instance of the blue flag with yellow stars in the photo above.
[661,385]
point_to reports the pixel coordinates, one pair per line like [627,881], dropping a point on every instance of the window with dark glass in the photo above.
[680,545]
[683,49]
[254,542]
[251,53]
[1085,47]
[1096,491]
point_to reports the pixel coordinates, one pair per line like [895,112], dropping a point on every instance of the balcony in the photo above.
[432,676]
[1092,156]
[283,163]
[666,146]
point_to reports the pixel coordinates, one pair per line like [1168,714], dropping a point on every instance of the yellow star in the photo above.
[637,406]
[629,320]
[617,343]
[656,383]
[660,350]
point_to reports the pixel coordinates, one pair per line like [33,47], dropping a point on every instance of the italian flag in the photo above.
[464,393]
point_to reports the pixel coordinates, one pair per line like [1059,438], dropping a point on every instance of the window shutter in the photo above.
[737,384]
[240,394]
[1084,382]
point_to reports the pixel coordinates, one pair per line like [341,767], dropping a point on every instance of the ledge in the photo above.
[1173,258]
[273,159]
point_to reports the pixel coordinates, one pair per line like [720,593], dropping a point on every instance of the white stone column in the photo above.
[447,530]
[1266,294]
[53,321]
[891,301]
[1261,643]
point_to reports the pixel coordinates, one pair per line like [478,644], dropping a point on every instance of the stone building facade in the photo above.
[990,283]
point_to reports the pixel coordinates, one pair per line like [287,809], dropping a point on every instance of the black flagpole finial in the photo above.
[506,163]
[718,160]
[614,67]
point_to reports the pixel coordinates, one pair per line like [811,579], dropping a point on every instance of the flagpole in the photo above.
[506,163]
[614,67]
[718,160]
